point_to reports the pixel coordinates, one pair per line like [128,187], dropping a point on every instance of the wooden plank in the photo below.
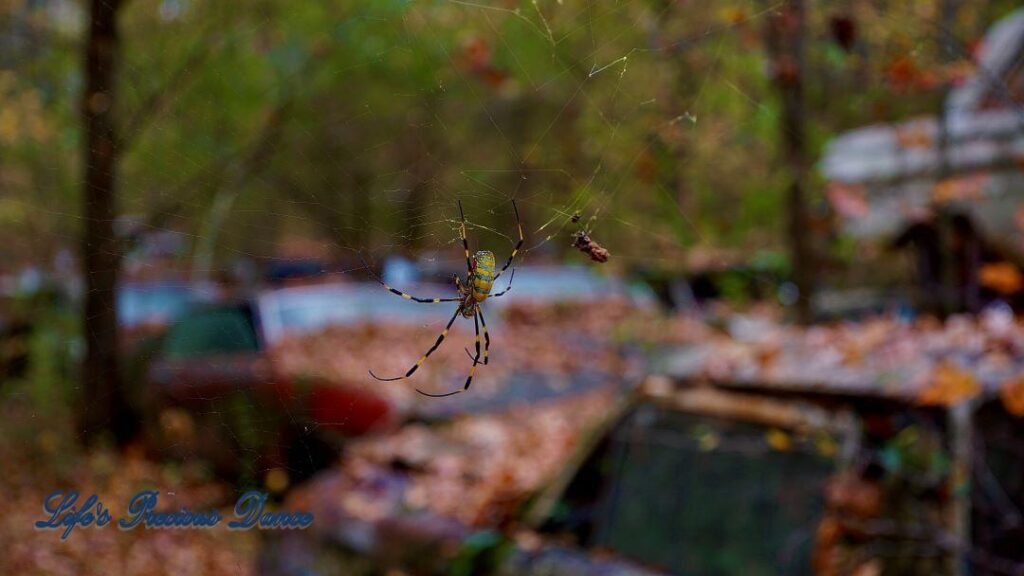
[747,407]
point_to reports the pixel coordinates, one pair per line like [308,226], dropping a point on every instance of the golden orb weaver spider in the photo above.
[472,294]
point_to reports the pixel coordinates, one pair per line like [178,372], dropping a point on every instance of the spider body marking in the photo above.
[480,280]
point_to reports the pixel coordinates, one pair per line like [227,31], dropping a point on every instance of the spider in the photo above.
[472,294]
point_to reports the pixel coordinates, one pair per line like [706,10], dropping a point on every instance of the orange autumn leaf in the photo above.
[1002,277]
[767,355]
[949,385]
[1012,395]
[960,189]
[902,73]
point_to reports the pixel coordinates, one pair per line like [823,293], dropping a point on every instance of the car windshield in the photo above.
[158,303]
[311,308]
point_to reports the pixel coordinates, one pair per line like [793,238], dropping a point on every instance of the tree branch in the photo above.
[157,102]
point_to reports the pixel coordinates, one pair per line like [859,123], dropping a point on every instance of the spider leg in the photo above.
[465,243]
[420,300]
[519,244]
[487,340]
[423,358]
[487,335]
[438,395]
[403,294]
[472,369]
[511,277]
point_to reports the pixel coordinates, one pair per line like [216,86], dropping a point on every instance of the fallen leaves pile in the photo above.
[34,469]
[556,341]
[477,469]
[925,361]
[480,468]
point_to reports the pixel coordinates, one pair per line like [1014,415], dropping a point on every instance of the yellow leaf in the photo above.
[778,440]
[276,480]
[733,15]
[708,442]
[826,445]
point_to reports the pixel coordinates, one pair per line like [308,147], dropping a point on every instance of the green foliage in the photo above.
[53,349]
[481,553]
[915,456]
[359,122]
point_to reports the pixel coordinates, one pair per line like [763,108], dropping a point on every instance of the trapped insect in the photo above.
[472,293]
[582,241]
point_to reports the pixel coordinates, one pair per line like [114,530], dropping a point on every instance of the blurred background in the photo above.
[764,320]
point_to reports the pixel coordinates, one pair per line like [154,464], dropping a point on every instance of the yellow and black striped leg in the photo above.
[465,243]
[476,359]
[403,294]
[472,369]
[487,339]
[519,244]
[423,358]
[487,335]
[421,300]
[511,277]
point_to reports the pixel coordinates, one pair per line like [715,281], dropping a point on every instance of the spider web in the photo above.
[258,133]
[590,70]
[362,140]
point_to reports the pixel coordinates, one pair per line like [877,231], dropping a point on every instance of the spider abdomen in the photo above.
[483,275]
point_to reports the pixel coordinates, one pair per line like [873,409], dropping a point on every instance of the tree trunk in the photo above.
[785,43]
[104,403]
